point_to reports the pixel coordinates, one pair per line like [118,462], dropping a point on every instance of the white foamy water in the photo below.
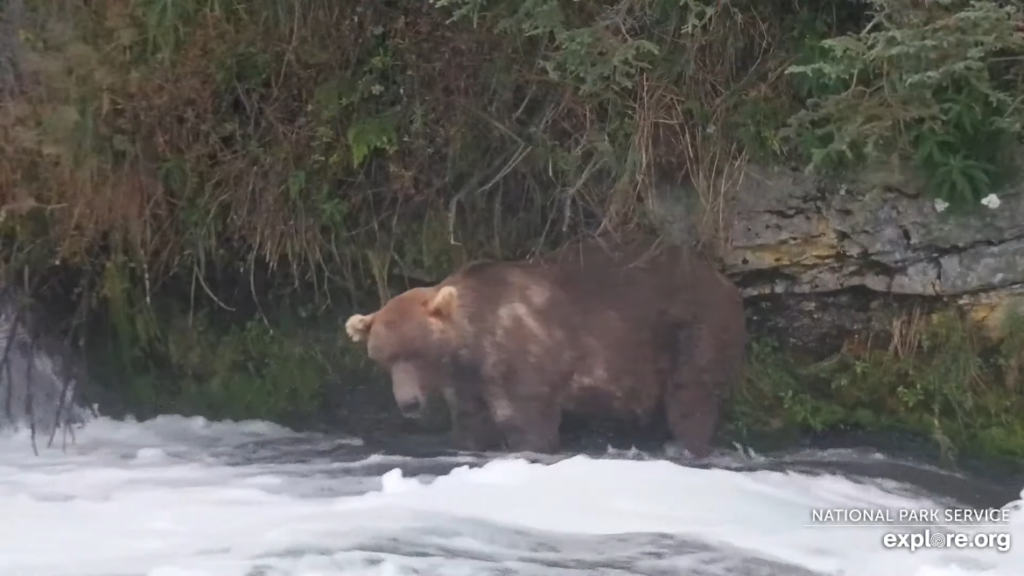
[185,497]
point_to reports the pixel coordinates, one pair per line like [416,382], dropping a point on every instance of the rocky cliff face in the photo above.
[850,257]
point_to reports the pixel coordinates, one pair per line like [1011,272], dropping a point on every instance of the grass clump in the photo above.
[939,377]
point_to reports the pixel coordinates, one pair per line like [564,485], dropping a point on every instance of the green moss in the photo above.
[235,371]
[162,356]
[939,379]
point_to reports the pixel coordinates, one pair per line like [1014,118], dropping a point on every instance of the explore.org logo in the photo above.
[1001,542]
[916,529]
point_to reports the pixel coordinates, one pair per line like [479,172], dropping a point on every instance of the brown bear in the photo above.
[627,330]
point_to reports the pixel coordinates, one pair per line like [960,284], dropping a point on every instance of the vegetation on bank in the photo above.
[203,185]
[937,377]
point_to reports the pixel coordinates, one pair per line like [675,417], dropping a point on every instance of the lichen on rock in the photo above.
[870,236]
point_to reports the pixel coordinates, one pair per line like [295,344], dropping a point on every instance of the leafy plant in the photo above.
[935,84]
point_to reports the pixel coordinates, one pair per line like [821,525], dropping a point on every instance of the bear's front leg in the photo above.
[473,429]
[475,433]
[529,423]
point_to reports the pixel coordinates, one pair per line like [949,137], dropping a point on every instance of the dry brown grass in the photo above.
[906,333]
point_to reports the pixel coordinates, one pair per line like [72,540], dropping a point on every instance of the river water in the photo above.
[179,496]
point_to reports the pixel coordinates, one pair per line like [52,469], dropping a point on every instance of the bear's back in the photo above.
[635,297]
[645,278]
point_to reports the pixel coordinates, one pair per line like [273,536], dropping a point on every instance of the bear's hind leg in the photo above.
[692,414]
[693,392]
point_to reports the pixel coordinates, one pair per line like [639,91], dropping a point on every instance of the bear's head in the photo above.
[414,337]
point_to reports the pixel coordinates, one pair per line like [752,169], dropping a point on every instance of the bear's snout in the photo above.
[408,391]
[411,408]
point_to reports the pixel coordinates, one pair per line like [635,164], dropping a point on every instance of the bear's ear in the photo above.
[358,326]
[444,302]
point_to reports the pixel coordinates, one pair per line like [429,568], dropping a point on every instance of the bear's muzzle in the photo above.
[406,385]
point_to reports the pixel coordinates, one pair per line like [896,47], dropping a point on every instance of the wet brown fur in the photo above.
[628,330]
